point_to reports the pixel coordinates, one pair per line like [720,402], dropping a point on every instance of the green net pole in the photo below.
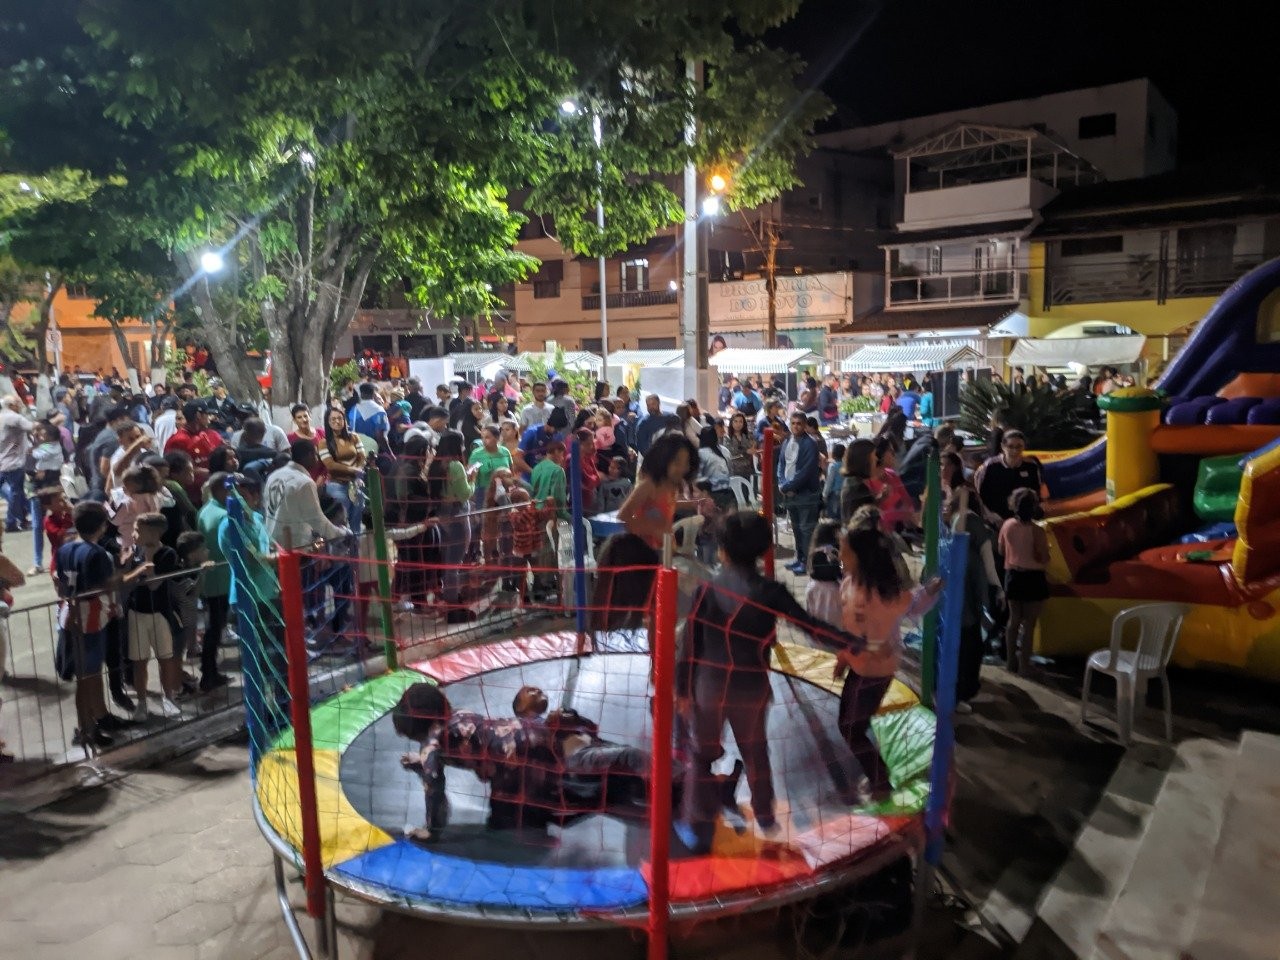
[373,480]
[932,533]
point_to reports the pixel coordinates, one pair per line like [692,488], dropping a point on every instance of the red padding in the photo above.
[470,661]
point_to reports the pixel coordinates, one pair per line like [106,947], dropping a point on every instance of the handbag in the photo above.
[74,484]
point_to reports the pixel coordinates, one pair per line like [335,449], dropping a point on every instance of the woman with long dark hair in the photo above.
[407,504]
[469,420]
[499,409]
[449,491]
[343,456]
[713,465]
[860,468]
[740,440]
[628,561]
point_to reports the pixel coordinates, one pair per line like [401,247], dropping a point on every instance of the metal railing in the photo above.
[38,716]
[970,286]
[1144,279]
[630,298]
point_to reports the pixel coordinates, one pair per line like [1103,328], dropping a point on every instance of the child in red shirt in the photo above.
[57,521]
[528,528]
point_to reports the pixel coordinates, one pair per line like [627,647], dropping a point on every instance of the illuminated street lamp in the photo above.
[211,261]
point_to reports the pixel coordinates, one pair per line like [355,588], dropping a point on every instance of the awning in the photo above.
[1016,324]
[904,320]
[646,358]
[912,355]
[579,360]
[744,360]
[477,362]
[1089,351]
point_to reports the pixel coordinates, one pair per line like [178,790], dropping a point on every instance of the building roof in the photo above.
[1192,195]
[980,316]
[573,360]
[475,362]
[912,237]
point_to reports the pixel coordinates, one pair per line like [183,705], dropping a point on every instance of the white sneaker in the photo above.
[964,708]
[169,709]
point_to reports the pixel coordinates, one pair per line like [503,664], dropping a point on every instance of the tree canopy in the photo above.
[321,144]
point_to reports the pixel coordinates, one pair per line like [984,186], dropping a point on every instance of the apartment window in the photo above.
[935,259]
[78,291]
[591,344]
[546,289]
[1097,125]
[546,282]
[635,274]
[657,343]
[1092,246]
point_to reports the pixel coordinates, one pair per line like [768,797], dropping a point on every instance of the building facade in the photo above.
[1149,256]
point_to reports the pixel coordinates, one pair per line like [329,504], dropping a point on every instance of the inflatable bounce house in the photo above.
[1192,513]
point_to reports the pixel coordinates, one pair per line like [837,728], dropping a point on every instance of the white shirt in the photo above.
[291,505]
[165,426]
[534,415]
[789,457]
[275,438]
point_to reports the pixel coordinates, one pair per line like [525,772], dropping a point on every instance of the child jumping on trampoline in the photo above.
[875,598]
[723,673]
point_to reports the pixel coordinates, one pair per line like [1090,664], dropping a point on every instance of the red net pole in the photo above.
[295,648]
[767,480]
[664,656]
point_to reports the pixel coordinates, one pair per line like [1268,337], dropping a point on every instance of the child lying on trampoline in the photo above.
[540,769]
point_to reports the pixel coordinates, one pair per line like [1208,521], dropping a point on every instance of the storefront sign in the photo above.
[819,297]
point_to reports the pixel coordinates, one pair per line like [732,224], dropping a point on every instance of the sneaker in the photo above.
[169,709]
[111,723]
[769,828]
[100,737]
[140,714]
[34,572]
[964,708]
[687,834]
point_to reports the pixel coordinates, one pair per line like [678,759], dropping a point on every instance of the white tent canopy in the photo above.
[746,360]
[913,355]
[1087,351]
[478,362]
[572,361]
[646,358]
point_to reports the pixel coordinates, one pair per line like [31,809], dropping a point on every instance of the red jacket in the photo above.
[529,528]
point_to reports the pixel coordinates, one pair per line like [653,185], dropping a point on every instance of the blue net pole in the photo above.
[579,537]
[954,555]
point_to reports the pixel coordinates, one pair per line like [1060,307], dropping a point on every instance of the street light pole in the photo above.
[694,338]
[597,129]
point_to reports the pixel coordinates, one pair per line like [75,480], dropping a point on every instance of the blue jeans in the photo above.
[37,531]
[803,509]
[355,508]
[16,498]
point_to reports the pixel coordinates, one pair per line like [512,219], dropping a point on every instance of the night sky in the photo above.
[1215,62]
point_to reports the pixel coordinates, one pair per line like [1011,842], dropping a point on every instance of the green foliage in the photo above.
[343,375]
[320,143]
[1051,420]
[859,404]
[582,384]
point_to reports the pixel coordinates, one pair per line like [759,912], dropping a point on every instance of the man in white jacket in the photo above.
[291,502]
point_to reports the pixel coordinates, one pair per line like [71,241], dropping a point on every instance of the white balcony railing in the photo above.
[971,286]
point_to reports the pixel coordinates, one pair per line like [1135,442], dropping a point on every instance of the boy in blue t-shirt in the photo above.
[86,577]
[368,417]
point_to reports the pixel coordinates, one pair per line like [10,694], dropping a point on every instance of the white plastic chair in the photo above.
[1132,669]
[741,488]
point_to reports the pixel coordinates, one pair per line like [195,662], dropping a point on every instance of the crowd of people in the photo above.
[130,492]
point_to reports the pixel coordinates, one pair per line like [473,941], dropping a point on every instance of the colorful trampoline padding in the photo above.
[365,857]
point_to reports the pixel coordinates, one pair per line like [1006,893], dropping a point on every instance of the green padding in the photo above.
[1218,488]
[905,740]
[340,719]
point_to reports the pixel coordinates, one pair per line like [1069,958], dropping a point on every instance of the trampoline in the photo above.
[594,868]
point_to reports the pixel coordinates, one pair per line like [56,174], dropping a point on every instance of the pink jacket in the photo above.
[867,614]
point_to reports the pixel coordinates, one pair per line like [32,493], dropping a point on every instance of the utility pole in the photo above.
[692,312]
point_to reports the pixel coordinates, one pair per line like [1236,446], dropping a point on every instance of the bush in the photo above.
[1051,420]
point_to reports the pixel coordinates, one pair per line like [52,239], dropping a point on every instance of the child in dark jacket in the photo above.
[724,673]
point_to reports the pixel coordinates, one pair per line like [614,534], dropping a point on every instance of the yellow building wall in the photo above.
[1143,316]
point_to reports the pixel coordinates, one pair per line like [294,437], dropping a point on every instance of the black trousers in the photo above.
[217,608]
[859,700]
[969,668]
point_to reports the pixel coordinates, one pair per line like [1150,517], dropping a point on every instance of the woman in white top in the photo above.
[713,465]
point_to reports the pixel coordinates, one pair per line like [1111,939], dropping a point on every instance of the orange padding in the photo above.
[1252,385]
[1212,441]
[1061,507]
[1085,544]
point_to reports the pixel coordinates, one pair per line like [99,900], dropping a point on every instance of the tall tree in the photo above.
[319,143]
